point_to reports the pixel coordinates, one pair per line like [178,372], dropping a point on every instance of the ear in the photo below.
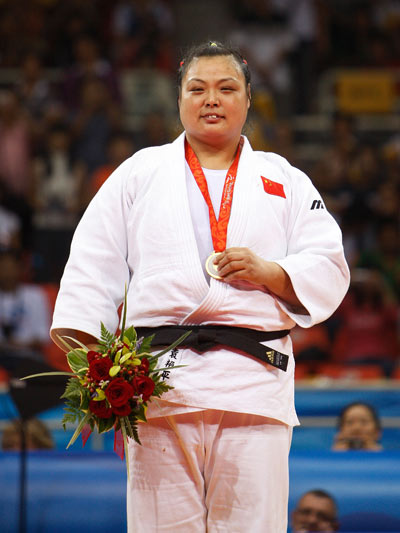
[248,95]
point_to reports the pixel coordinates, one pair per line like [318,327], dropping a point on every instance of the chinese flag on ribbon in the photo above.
[273,187]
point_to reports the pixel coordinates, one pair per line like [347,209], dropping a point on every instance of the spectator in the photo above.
[15,145]
[330,173]
[366,332]
[37,94]
[142,29]
[33,86]
[97,118]
[88,65]
[120,146]
[67,22]
[57,204]
[10,228]
[37,435]
[266,43]
[155,130]
[24,313]
[10,223]
[384,257]
[301,17]
[359,428]
[316,511]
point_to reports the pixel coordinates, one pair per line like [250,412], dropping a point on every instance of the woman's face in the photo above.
[214,100]
[359,424]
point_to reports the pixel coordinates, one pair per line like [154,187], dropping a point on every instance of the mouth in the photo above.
[212,117]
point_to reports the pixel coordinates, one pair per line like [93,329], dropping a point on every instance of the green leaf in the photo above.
[171,346]
[83,346]
[72,411]
[146,344]
[130,335]
[117,357]
[128,425]
[48,374]
[73,388]
[124,315]
[105,424]
[157,370]
[125,358]
[65,343]
[78,430]
[114,370]
[141,413]
[77,360]
[68,418]
[125,438]
[73,404]
[107,338]
[85,399]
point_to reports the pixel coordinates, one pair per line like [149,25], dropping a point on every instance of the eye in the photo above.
[227,89]
[196,90]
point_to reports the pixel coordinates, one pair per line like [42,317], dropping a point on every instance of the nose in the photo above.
[212,99]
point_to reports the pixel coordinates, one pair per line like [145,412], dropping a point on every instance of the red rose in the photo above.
[144,365]
[118,392]
[124,410]
[100,409]
[99,368]
[143,385]
[91,355]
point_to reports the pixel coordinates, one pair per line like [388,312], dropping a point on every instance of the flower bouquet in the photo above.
[110,387]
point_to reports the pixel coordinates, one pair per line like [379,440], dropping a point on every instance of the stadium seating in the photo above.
[69,491]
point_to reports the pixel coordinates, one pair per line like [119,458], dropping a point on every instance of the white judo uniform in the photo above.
[138,230]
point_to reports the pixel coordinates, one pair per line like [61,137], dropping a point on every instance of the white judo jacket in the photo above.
[138,231]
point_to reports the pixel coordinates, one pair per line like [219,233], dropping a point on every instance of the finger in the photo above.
[237,275]
[227,257]
[234,270]
[234,250]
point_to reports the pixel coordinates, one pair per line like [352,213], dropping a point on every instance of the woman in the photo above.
[214,454]
[359,428]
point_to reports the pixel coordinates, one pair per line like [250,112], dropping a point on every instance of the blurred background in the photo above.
[83,85]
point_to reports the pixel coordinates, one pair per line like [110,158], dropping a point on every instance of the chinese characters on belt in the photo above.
[169,364]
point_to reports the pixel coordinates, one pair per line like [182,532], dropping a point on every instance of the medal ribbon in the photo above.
[218,228]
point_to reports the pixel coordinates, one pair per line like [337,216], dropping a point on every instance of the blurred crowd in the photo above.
[83,85]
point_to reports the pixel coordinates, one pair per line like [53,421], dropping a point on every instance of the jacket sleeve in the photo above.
[93,283]
[315,259]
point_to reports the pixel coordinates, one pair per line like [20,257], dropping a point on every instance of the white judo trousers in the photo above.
[209,471]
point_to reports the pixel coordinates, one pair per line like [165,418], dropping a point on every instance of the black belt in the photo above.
[202,338]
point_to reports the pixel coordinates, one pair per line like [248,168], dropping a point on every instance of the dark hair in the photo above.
[212,49]
[320,493]
[370,409]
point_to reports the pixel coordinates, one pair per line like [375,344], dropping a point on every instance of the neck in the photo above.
[214,157]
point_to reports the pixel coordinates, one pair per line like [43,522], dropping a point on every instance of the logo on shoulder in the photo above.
[317,204]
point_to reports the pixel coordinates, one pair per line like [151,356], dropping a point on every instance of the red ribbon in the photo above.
[86,432]
[219,228]
[119,443]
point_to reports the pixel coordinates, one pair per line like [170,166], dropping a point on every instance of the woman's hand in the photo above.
[242,264]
